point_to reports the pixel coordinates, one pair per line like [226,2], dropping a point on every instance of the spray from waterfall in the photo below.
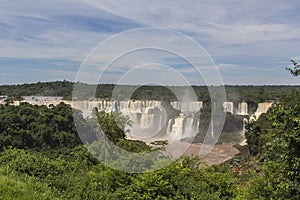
[186,125]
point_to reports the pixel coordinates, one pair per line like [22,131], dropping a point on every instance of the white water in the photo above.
[242,108]
[262,108]
[149,117]
[192,106]
[182,127]
[228,107]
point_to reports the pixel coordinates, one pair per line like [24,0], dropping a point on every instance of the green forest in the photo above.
[235,93]
[42,157]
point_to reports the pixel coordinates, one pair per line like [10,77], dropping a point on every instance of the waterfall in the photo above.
[149,117]
[212,128]
[192,106]
[175,105]
[191,127]
[182,127]
[242,108]
[135,117]
[176,128]
[170,125]
[145,120]
[262,108]
[195,106]
[244,141]
[228,107]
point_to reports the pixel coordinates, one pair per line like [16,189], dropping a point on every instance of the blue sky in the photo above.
[250,41]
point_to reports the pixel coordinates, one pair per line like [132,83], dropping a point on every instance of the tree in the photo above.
[275,139]
[113,125]
[28,126]
[295,71]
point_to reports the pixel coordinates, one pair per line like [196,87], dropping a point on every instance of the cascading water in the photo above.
[244,141]
[191,127]
[182,127]
[228,107]
[242,108]
[192,106]
[149,117]
[176,128]
[262,108]
[186,125]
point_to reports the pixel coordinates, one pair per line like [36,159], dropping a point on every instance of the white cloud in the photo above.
[60,44]
[218,24]
[229,30]
[247,34]
[296,58]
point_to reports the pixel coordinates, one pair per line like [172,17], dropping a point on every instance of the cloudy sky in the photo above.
[251,42]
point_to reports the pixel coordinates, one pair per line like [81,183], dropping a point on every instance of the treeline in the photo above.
[57,88]
[251,94]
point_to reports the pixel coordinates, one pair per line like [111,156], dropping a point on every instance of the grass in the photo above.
[19,186]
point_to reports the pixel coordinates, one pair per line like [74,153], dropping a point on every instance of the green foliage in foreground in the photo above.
[275,139]
[73,179]
[14,186]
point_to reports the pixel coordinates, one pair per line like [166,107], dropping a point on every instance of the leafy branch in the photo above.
[295,71]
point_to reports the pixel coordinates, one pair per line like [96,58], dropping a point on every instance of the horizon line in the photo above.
[52,81]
